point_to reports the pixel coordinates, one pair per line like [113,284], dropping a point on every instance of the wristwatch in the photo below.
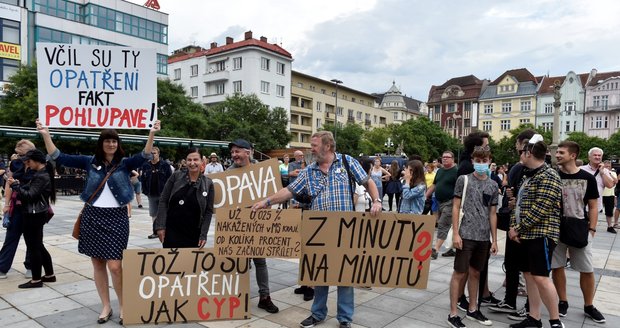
[378,200]
[592,229]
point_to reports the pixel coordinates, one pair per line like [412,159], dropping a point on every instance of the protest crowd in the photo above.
[549,214]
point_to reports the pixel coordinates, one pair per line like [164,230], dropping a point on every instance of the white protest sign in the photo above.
[93,86]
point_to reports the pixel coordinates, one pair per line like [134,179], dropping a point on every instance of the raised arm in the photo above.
[45,133]
[149,143]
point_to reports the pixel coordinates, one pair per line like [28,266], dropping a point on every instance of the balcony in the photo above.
[301,128]
[217,76]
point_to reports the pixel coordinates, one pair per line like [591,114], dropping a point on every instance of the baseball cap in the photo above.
[240,143]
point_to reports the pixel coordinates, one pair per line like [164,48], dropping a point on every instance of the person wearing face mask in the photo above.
[471,238]
[186,206]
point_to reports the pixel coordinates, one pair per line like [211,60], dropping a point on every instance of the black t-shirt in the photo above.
[577,189]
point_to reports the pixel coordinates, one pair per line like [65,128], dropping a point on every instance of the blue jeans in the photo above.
[11,241]
[345,303]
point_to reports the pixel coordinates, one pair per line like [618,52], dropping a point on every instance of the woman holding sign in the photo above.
[104,225]
[186,206]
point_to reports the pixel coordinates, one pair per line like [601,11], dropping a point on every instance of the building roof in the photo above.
[601,77]
[462,81]
[527,88]
[521,74]
[468,87]
[181,56]
[411,104]
[546,85]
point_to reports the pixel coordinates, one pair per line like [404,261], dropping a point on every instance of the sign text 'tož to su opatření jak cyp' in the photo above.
[92,86]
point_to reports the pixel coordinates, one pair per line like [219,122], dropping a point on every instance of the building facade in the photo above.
[401,107]
[454,104]
[313,103]
[572,103]
[107,22]
[602,104]
[249,66]
[508,102]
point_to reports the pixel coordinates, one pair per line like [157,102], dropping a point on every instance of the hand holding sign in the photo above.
[42,129]
[156,127]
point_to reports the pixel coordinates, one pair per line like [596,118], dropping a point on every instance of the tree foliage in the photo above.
[348,138]
[20,105]
[586,142]
[425,138]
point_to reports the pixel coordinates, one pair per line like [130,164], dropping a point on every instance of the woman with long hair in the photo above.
[414,188]
[104,227]
[394,186]
[35,197]
[378,174]
[185,206]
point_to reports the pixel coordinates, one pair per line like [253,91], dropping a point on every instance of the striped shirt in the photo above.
[539,205]
[331,191]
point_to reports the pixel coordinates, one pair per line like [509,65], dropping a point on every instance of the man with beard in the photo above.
[328,183]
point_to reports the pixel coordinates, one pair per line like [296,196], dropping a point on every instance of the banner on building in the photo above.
[241,232]
[10,51]
[355,249]
[245,186]
[93,86]
[183,285]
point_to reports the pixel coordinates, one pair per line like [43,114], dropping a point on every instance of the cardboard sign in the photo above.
[92,86]
[245,186]
[264,233]
[182,285]
[355,249]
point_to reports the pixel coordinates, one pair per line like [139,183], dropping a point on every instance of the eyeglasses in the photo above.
[446,156]
[482,148]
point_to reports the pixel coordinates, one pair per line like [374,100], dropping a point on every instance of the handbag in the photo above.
[78,222]
[448,242]
[574,232]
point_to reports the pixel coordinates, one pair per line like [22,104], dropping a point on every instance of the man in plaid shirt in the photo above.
[328,183]
[535,223]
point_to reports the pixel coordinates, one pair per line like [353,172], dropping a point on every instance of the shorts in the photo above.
[580,258]
[474,254]
[535,256]
[137,187]
[618,202]
[444,219]
[153,205]
[608,205]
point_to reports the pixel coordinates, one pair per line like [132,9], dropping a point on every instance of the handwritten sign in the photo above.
[92,86]
[354,249]
[246,185]
[264,233]
[182,285]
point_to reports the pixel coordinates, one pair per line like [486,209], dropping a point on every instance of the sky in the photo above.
[368,44]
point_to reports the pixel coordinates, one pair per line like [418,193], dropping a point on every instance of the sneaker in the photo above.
[434,254]
[527,322]
[478,316]
[487,301]
[519,315]
[463,304]
[503,307]
[594,314]
[611,229]
[449,253]
[266,304]
[152,236]
[556,324]
[28,274]
[455,322]
[345,325]
[308,294]
[563,308]
[2,275]
[310,322]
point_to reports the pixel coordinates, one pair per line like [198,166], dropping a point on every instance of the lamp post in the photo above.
[388,144]
[556,120]
[337,82]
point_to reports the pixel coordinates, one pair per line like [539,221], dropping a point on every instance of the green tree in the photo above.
[586,142]
[348,138]
[425,138]
[373,141]
[179,115]
[245,116]
[20,105]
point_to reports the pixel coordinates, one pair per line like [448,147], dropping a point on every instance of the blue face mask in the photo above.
[481,168]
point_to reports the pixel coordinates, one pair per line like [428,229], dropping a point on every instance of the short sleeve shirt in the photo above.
[331,191]
[599,182]
[444,184]
[480,196]
[577,189]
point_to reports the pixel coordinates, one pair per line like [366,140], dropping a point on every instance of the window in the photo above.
[467,123]
[264,63]
[569,107]
[219,88]
[318,123]
[194,92]
[279,68]
[162,64]
[487,125]
[617,121]
[504,125]
[300,85]
[237,87]
[596,101]
[574,125]
[526,105]
[177,73]
[599,122]
[375,119]
[524,121]
[194,69]
[506,107]
[339,111]
[280,90]
[450,123]
[567,126]
[547,126]
[323,91]
[350,114]
[548,108]
[359,116]
[218,66]
[264,87]
[395,116]
[237,63]
[467,106]
[488,108]
[451,108]
[318,106]
[312,88]
[604,102]
[437,109]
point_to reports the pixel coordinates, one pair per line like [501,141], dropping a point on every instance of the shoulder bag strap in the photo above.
[463,197]
[351,178]
[107,176]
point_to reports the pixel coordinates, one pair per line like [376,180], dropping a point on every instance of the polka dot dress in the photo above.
[104,232]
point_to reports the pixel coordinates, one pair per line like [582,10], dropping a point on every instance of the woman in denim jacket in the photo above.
[186,206]
[414,188]
[104,229]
